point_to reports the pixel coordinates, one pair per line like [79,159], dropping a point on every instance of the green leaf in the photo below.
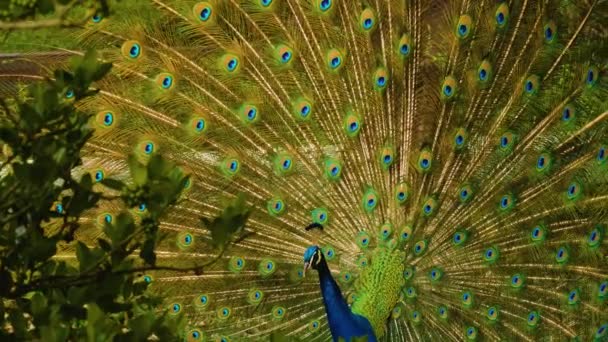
[86,182]
[78,295]
[138,171]
[87,257]
[18,323]
[141,326]
[113,184]
[230,223]
[54,333]
[104,244]
[99,327]
[122,228]
[147,252]
[102,70]
[38,303]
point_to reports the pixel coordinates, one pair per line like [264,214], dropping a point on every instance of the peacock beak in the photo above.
[306,267]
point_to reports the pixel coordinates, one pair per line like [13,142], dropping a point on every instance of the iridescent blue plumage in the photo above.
[342,322]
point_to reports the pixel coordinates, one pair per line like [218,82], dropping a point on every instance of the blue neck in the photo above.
[335,305]
[342,322]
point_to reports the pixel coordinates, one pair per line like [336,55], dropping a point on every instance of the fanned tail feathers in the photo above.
[467,137]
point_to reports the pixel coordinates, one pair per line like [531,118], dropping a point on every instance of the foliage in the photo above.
[230,224]
[29,14]
[101,295]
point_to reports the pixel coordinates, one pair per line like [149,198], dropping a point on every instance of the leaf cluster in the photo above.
[98,293]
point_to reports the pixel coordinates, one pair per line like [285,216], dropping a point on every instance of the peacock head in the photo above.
[313,257]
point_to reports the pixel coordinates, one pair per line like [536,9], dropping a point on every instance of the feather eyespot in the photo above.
[69,94]
[363,239]
[367,20]
[435,274]
[550,32]
[204,12]
[460,138]
[490,255]
[471,333]
[574,297]
[165,81]
[201,301]
[195,335]
[562,255]
[255,296]
[314,325]
[467,299]
[408,273]
[335,60]
[131,49]
[416,317]
[223,313]
[324,5]
[402,193]
[484,73]
[96,18]
[230,63]
[283,163]
[459,238]
[568,114]
[601,155]
[266,267]
[464,26]
[442,311]
[284,54]
[370,200]
[404,46]
[465,193]
[602,331]
[230,166]
[591,76]
[603,290]
[332,169]
[574,191]
[199,125]
[595,237]
[448,88]
[105,119]
[236,264]
[406,233]
[302,109]
[276,206]
[420,247]
[538,234]
[352,124]
[492,313]
[105,218]
[517,281]
[533,319]
[175,308]
[532,85]
[429,207]
[320,215]
[502,15]
[387,157]
[380,79]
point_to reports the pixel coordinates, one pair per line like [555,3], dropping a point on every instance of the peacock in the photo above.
[415,170]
